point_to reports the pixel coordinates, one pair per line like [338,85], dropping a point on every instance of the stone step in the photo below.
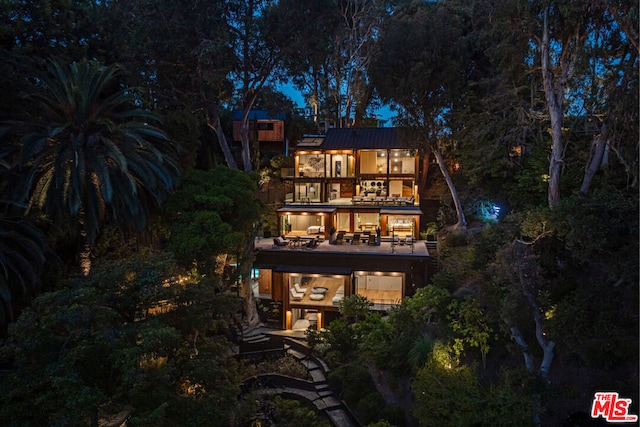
[325,393]
[256,339]
[297,354]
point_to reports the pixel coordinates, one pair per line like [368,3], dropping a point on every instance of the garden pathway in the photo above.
[317,390]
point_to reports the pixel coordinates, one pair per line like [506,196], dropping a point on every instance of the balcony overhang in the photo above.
[401,210]
[308,209]
[309,269]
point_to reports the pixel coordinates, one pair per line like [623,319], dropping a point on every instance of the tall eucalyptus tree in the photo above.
[257,62]
[180,53]
[421,70]
[89,155]
[329,48]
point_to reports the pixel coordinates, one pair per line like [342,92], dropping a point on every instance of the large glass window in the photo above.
[373,162]
[341,166]
[367,221]
[316,289]
[401,224]
[383,289]
[402,162]
[311,165]
[401,188]
[307,192]
[343,221]
[302,224]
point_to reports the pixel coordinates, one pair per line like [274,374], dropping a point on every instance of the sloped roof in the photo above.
[311,141]
[363,138]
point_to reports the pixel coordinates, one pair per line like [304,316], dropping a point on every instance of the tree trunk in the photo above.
[599,146]
[546,345]
[422,183]
[462,222]
[516,335]
[251,311]
[84,248]
[244,139]
[213,122]
[554,95]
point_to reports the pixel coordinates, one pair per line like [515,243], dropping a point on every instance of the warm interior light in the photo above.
[288,319]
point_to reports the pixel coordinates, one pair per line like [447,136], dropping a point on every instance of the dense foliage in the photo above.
[106,107]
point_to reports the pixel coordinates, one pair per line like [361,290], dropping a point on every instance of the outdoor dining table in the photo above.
[296,241]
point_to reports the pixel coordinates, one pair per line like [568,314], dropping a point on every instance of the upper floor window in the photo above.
[373,161]
[311,165]
[402,162]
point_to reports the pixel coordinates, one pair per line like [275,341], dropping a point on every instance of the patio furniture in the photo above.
[280,241]
[338,296]
[410,241]
[312,243]
[297,296]
[372,240]
[298,289]
[295,241]
[339,238]
[356,239]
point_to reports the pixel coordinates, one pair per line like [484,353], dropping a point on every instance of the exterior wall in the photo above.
[276,134]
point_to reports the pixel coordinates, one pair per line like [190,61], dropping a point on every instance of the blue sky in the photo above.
[384,113]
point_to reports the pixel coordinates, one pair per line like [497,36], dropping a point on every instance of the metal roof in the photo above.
[361,138]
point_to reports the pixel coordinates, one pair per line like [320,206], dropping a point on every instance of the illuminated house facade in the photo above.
[350,225]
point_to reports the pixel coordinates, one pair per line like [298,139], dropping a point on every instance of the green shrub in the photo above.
[446,279]
[455,240]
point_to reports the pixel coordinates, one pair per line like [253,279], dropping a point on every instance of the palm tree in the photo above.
[23,254]
[90,155]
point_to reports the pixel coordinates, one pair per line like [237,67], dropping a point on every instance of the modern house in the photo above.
[350,225]
[267,129]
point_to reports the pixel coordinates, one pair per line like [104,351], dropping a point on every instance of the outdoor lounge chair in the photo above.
[339,238]
[279,241]
[298,289]
[338,296]
[312,243]
[356,239]
[297,296]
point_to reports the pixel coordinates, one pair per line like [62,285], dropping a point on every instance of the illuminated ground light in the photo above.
[488,211]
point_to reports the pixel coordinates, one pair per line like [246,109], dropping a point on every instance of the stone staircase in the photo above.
[433,248]
[316,391]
